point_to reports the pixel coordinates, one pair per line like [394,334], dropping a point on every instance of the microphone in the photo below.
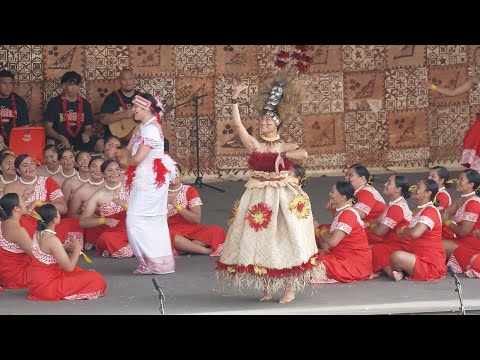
[450,271]
[157,285]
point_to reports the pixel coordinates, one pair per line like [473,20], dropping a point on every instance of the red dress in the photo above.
[371,203]
[212,235]
[351,259]
[471,146]
[46,189]
[445,201]
[48,281]
[468,246]
[14,263]
[113,241]
[428,249]
[398,214]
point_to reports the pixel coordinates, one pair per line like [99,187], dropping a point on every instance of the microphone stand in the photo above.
[198,180]
[161,296]
[458,290]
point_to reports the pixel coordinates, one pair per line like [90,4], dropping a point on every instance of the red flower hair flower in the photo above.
[297,59]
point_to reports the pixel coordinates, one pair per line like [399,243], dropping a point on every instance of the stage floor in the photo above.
[193,288]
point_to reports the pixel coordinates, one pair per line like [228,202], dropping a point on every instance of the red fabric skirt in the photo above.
[113,239]
[471,146]
[51,283]
[13,269]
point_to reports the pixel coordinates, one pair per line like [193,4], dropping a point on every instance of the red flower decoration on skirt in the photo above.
[258,216]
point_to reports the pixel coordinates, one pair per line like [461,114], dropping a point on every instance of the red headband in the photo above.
[142,102]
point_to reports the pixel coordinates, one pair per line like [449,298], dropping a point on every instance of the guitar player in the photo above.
[118,104]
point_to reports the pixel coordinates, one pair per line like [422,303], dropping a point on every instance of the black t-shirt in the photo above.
[7,116]
[112,104]
[54,114]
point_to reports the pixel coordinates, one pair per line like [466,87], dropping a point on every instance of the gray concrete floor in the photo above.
[193,288]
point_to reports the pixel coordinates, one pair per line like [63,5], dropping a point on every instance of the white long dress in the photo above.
[147,226]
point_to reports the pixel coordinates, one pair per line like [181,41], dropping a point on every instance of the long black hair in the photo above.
[362,171]
[47,212]
[444,174]
[346,188]
[401,181]
[7,204]
[473,177]
[431,185]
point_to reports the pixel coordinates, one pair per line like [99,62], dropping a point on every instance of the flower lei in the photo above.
[297,58]
[79,116]
[14,121]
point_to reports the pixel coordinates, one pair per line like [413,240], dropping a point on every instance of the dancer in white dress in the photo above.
[148,177]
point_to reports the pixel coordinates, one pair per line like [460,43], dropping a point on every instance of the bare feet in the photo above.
[266,296]
[287,297]
[397,275]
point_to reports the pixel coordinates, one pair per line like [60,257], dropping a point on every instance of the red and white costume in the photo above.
[46,189]
[428,249]
[371,203]
[396,215]
[212,235]
[147,226]
[471,146]
[14,263]
[444,199]
[351,259]
[48,281]
[468,246]
[113,241]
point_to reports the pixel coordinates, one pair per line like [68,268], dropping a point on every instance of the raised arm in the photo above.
[247,140]
[466,86]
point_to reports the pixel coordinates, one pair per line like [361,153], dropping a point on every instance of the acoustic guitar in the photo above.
[124,128]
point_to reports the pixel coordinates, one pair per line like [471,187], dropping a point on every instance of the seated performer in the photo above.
[82,159]
[15,243]
[425,260]
[464,250]
[344,247]
[87,189]
[396,215]
[370,203]
[8,174]
[53,273]
[441,175]
[184,216]
[67,160]
[37,190]
[52,162]
[111,200]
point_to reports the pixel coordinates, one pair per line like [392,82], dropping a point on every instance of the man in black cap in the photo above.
[13,109]
[69,120]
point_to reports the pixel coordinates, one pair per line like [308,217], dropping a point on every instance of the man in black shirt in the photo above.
[69,119]
[118,104]
[13,109]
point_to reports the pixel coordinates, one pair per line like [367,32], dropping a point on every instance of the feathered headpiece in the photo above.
[281,96]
